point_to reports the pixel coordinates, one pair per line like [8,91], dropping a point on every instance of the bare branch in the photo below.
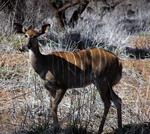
[4,4]
[67,5]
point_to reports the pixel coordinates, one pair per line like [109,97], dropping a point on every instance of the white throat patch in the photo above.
[30,54]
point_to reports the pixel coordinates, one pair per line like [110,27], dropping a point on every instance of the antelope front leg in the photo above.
[51,87]
[55,102]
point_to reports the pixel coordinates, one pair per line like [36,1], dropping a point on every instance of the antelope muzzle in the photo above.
[24,48]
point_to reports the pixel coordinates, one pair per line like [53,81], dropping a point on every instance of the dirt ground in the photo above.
[134,89]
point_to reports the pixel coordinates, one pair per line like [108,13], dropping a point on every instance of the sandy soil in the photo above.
[134,89]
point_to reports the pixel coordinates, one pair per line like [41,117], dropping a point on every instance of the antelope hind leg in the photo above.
[105,96]
[117,102]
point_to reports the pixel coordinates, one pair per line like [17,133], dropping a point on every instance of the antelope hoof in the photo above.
[56,128]
[100,131]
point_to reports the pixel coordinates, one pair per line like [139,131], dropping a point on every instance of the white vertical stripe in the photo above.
[92,58]
[100,62]
[74,58]
[63,73]
[103,55]
[66,57]
[81,62]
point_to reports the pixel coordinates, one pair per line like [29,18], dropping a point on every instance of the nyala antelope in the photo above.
[63,70]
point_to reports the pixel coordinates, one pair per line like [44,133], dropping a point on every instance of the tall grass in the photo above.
[25,105]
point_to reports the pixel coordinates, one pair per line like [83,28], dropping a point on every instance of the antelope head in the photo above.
[32,35]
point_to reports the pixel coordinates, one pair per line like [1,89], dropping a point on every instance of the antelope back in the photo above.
[85,65]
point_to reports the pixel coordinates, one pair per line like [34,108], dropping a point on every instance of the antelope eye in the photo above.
[26,36]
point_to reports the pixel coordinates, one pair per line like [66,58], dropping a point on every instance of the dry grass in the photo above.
[24,103]
[140,42]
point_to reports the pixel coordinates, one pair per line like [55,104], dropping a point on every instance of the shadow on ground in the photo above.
[142,128]
[127,129]
[56,130]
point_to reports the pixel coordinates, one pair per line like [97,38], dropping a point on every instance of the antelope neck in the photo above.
[35,55]
[36,51]
[39,63]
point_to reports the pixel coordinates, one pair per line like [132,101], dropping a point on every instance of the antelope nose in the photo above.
[24,48]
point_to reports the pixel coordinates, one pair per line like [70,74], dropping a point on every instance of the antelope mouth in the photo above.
[24,48]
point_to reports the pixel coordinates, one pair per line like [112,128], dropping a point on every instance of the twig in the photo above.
[4,5]
[67,5]
[17,96]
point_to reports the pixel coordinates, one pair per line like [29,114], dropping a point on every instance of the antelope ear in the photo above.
[45,28]
[18,28]
[30,27]
[24,29]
